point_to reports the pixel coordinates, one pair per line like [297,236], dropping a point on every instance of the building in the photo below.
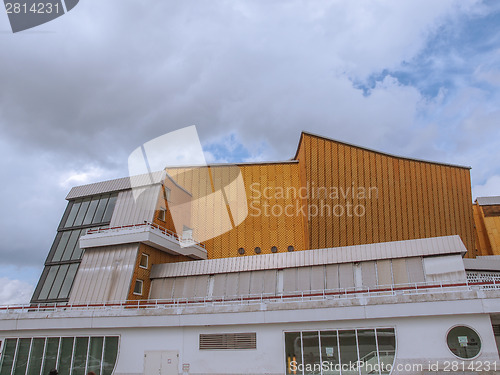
[487,224]
[342,255]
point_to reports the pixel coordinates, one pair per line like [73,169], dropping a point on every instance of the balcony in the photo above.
[146,233]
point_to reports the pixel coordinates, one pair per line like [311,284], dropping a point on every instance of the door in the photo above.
[161,363]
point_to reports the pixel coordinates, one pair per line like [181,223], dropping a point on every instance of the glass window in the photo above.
[95,355]
[80,356]
[81,212]
[77,251]
[64,367]
[293,351]
[348,351]
[330,352]
[162,214]
[23,352]
[72,243]
[36,356]
[100,209]
[367,346]
[63,241]
[110,355]
[50,358]
[167,194]
[144,261]
[91,211]
[464,342]
[386,340]
[68,281]
[109,209]
[8,354]
[138,287]
[72,214]
[310,348]
[49,280]
[56,286]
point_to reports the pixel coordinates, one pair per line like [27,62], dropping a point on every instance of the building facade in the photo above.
[342,260]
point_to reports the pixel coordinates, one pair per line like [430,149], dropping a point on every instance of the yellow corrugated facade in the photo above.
[487,223]
[403,199]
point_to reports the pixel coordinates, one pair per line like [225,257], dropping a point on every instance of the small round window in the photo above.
[464,342]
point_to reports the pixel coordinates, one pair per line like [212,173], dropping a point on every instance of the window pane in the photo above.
[330,352]
[50,357]
[23,352]
[100,209]
[48,282]
[464,342]
[64,237]
[65,357]
[109,209]
[72,214]
[36,356]
[78,252]
[310,345]
[293,351]
[348,351]
[80,356]
[386,348]
[81,212]
[68,281]
[367,351]
[8,356]
[91,211]
[110,354]
[95,355]
[72,243]
[56,287]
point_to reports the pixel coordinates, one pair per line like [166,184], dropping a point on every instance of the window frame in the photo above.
[144,255]
[162,214]
[141,282]
[473,330]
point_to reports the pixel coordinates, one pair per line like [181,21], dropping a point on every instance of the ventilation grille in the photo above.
[496,329]
[230,341]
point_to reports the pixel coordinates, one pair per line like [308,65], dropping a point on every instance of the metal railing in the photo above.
[153,226]
[306,296]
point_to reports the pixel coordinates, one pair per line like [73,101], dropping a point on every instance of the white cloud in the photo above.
[14,292]
[490,188]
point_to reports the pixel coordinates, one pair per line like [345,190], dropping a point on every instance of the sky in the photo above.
[77,95]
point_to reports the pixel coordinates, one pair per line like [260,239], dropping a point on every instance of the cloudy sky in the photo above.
[77,95]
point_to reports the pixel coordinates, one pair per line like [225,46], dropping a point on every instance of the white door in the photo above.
[161,363]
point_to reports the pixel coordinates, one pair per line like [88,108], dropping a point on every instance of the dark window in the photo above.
[464,342]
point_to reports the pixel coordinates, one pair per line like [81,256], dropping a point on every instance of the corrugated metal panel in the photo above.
[384,272]
[131,211]
[388,250]
[369,274]
[332,276]
[483,263]
[399,271]
[415,269]
[488,201]
[105,274]
[114,185]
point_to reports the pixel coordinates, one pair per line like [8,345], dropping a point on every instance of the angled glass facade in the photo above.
[65,254]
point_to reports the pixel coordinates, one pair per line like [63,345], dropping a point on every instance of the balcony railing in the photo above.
[308,296]
[153,226]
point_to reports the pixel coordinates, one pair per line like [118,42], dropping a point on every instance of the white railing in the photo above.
[327,294]
[147,224]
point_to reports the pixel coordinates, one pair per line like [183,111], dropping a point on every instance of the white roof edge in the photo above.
[488,201]
[348,254]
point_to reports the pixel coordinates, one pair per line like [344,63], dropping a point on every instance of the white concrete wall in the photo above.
[419,340]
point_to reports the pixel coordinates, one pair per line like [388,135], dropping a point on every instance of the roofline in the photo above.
[293,161]
[376,151]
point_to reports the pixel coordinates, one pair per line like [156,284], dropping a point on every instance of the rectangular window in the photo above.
[144,261]
[229,341]
[167,194]
[138,287]
[162,214]
[70,355]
